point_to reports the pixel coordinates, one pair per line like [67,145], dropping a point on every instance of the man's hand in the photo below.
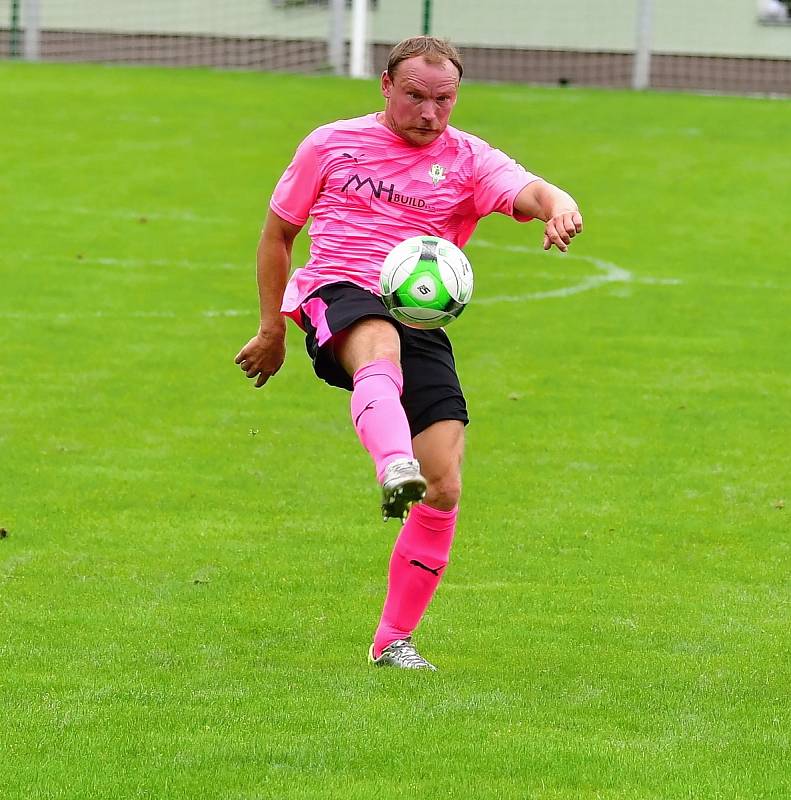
[264,354]
[561,228]
[546,201]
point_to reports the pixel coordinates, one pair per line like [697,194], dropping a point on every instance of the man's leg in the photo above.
[422,549]
[369,351]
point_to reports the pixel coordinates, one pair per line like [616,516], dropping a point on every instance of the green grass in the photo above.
[185,604]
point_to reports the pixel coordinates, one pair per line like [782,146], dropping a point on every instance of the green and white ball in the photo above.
[426,282]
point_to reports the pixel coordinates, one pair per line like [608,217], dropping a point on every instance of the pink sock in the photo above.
[378,415]
[419,558]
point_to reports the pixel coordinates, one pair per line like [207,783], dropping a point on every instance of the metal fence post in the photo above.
[336,37]
[641,75]
[427,17]
[14,32]
[31,12]
[359,66]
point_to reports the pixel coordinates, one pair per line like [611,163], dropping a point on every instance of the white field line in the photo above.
[135,216]
[176,215]
[230,312]
[136,263]
[608,273]
[66,317]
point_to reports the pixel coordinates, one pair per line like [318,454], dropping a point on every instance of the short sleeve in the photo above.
[498,180]
[297,189]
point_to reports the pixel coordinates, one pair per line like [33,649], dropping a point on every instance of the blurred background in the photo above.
[741,46]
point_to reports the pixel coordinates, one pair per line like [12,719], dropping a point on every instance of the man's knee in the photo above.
[444,493]
[439,450]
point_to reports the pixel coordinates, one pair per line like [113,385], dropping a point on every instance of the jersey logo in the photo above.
[355,184]
[437,174]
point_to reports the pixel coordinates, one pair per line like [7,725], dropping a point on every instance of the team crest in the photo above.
[437,174]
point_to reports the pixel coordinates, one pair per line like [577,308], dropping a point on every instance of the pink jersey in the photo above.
[367,189]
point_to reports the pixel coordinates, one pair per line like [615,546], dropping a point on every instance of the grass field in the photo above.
[193,569]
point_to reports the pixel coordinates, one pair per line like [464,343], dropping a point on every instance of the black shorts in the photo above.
[431,386]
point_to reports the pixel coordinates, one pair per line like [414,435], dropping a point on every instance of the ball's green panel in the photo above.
[424,288]
[396,265]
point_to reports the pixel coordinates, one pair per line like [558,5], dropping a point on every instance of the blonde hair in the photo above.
[432,49]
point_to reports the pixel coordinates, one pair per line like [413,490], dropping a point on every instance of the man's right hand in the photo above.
[264,354]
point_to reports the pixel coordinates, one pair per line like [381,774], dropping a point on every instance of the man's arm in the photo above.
[264,354]
[553,206]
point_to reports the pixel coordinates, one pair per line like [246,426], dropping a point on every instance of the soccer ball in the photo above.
[426,282]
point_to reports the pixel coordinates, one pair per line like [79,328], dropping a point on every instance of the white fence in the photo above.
[744,44]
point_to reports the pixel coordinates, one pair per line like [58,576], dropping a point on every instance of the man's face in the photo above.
[419,99]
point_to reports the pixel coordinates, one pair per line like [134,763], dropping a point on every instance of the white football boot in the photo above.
[402,487]
[402,654]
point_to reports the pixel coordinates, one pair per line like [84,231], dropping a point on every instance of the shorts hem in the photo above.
[432,415]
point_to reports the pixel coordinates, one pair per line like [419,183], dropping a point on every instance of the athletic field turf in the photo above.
[193,569]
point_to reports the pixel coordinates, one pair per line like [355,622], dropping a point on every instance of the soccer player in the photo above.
[368,183]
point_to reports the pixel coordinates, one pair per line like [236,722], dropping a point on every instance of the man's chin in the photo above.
[418,136]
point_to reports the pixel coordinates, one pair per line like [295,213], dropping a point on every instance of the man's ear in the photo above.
[387,85]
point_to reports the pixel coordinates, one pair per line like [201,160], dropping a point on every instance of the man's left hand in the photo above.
[561,228]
